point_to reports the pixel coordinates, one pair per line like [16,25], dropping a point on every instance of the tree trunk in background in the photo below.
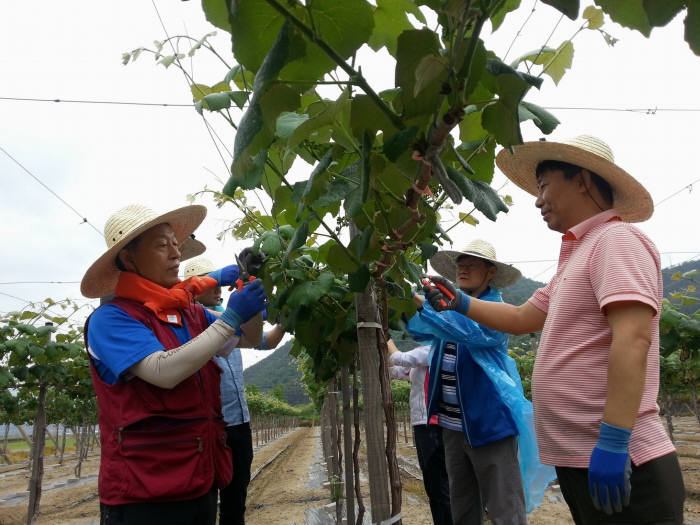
[24,435]
[37,458]
[356,443]
[4,444]
[667,401]
[366,306]
[391,428]
[347,443]
[63,445]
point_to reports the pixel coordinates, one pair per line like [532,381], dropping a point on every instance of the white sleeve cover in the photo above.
[411,359]
[166,369]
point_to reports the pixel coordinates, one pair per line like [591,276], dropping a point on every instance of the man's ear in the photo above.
[491,273]
[584,180]
[127,260]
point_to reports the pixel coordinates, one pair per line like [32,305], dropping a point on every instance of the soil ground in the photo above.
[290,489]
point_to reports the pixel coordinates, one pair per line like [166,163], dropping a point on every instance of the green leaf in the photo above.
[339,261]
[501,117]
[427,250]
[542,118]
[365,156]
[271,244]
[331,112]
[413,45]
[248,174]
[538,56]
[345,25]
[390,20]
[216,12]
[692,26]
[661,12]
[358,280]
[297,240]
[483,196]
[560,62]
[254,27]
[320,168]
[310,292]
[498,17]
[353,203]
[568,7]
[468,218]
[629,13]
[287,122]
[365,117]
[430,70]
[337,190]
[361,242]
[594,16]
[690,274]
[399,142]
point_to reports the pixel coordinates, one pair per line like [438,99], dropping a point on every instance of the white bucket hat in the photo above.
[630,199]
[127,224]
[199,266]
[445,263]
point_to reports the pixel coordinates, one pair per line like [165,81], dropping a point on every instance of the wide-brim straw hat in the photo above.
[445,263]
[630,199]
[125,225]
[199,266]
[191,248]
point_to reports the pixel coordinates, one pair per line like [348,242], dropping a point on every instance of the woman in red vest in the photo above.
[162,434]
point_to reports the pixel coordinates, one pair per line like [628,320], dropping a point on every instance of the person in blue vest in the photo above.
[239,436]
[163,444]
[476,392]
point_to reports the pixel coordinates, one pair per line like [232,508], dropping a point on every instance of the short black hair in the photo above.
[571,170]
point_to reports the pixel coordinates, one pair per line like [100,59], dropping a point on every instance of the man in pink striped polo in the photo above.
[596,375]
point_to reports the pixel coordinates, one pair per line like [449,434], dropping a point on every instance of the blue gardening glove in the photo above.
[244,304]
[442,294]
[609,469]
[225,276]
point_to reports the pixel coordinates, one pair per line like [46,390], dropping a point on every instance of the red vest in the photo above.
[161,445]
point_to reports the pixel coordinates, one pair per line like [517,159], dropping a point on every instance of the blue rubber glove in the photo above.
[609,469]
[225,276]
[440,300]
[244,304]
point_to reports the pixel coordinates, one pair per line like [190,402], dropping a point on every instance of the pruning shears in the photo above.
[244,277]
[427,281]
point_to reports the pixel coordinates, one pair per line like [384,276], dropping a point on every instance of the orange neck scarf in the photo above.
[164,302]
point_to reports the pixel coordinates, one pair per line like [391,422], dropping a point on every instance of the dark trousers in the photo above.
[198,511]
[486,476]
[232,498]
[656,498]
[431,458]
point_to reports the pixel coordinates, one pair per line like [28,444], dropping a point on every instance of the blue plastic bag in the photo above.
[489,350]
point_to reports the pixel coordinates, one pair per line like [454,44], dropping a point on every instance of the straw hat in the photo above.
[199,266]
[191,248]
[630,199]
[125,225]
[445,263]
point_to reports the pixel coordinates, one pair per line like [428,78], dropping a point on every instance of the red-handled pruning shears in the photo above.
[243,277]
[431,284]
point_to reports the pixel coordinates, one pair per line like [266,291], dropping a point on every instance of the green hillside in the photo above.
[279,368]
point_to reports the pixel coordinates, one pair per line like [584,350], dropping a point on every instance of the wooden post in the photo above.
[347,444]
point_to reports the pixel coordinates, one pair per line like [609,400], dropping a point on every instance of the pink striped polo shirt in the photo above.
[602,260]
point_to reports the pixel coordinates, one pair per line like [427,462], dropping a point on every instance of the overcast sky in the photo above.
[100,157]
